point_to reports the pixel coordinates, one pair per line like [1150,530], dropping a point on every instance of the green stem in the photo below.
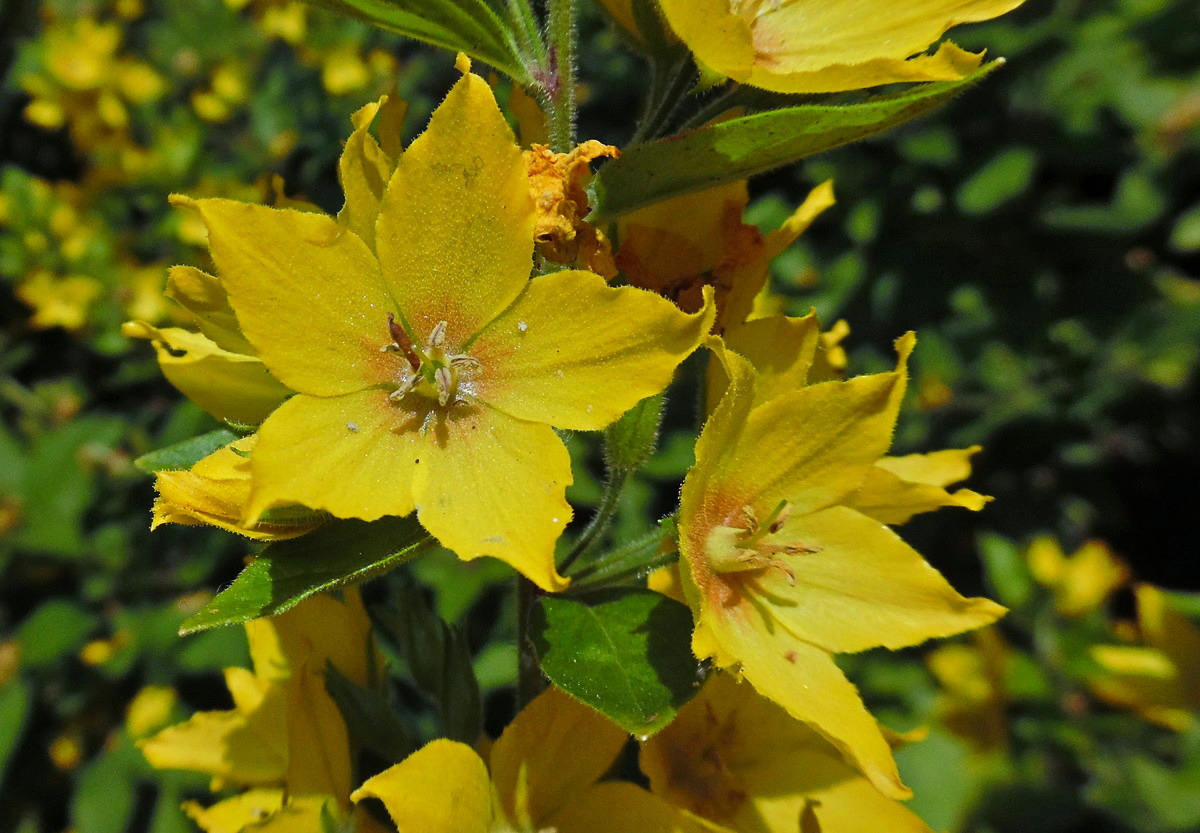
[561,82]
[530,682]
[600,522]
[716,105]
[669,84]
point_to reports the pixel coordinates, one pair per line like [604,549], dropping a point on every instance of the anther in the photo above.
[445,385]
[437,337]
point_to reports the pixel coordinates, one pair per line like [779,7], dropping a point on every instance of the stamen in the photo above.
[437,337]
[445,385]
[405,386]
[464,362]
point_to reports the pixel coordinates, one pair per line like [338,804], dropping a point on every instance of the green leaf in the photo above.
[54,630]
[629,442]
[288,572]
[439,660]
[1006,570]
[14,707]
[372,721]
[626,653]
[470,26]
[186,454]
[739,148]
[1005,177]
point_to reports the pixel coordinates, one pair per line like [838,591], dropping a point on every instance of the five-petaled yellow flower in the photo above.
[817,46]
[429,367]
[779,568]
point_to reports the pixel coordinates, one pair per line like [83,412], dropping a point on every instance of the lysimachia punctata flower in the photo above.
[679,246]
[540,775]
[1159,679]
[429,367]
[782,573]
[285,739]
[974,688]
[215,492]
[788,353]
[1082,581]
[815,46]
[735,758]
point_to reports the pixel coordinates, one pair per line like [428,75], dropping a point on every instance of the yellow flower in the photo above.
[781,572]
[59,301]
[429,366]
[215,367]
[814,46]
[540,775]
[788,353]
[678,246]
[974,694]
[1159,680]
[284,737]
[1082,581]
[557,183]
[216,490]
[737,759]
[84,84]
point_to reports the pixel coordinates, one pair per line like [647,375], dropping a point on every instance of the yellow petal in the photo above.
[235,814]
[1092,573]
[321,629]
[307,293]
[937,468]
[666,581]
[576,353]
[863,587]
[318,743]
[550,754]
[618,805]
[489,484]
[719,38]
[805,680]
[747,276]
[455,231]
[949,63]
[808,46]
[899,487]
[216,491]
[441,788]
[246,746]
[300,814]
[811,447]
[363,171]
[1146,681]
[1047,561]
[732,756]
[781,350]
[203,296]
[352,456]
[230,386]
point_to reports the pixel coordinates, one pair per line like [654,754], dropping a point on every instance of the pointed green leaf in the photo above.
[184,455]
[288,572]
[469,26]
[439,660]
[742,147]
[629,442]
[626,653]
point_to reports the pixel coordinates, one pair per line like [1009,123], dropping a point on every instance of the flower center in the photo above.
[429,370]
[740,548]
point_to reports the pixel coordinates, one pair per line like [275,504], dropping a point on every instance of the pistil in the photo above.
[431,370]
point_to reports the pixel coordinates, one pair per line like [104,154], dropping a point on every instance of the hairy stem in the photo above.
[561,82]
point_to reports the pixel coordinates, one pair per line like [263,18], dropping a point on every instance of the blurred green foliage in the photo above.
[1042,235]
